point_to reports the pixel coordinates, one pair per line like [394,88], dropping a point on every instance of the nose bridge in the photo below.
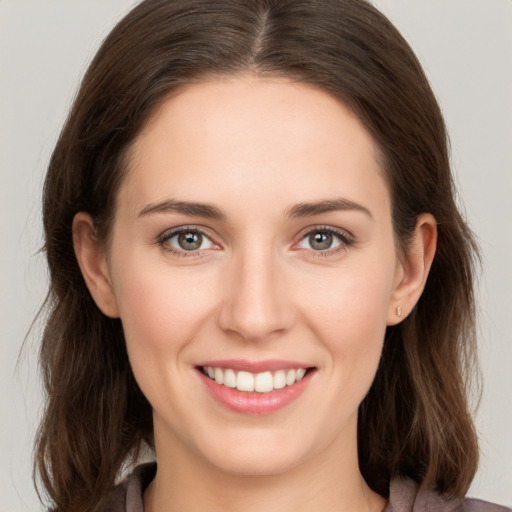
[255,303]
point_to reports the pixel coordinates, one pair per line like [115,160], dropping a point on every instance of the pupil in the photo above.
[190,241]
[320,241]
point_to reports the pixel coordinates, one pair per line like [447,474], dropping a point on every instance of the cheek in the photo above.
[353,301]
[161,312]
[349,318]
[160,309]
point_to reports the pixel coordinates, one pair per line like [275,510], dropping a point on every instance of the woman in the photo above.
[258,270]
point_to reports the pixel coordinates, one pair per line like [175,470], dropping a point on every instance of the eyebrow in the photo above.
[325,206]
[212,212]
[185,207]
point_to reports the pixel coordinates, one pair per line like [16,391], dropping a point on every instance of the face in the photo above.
[252,249]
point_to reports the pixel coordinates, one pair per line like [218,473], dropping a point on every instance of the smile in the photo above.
[264,382]
[255,388]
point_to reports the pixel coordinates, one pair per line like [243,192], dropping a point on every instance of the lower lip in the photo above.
[253,402]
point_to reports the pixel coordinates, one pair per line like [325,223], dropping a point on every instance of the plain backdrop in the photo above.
[466,49]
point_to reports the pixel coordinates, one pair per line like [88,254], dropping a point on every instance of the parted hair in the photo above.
[415,420]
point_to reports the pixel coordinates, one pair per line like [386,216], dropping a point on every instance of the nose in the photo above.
[256,303]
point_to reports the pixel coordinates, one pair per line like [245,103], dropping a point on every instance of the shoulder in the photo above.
[406,496]
[127,495]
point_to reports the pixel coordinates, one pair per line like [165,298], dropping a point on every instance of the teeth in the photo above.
[300,373]
[279,379]
[264,382]
[219,376]
[245,381]
[290,377]
[230,378]
[261,382]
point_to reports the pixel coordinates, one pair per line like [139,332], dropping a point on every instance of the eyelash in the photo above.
[164,238]
[346,240]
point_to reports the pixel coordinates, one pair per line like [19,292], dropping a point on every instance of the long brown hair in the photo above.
[415,420]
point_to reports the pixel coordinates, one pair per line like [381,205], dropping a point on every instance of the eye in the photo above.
[320,241]
[324,239]
[185,240]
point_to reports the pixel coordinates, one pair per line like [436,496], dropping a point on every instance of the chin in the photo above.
[256,454]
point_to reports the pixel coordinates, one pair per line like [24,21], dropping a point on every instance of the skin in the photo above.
[257,289]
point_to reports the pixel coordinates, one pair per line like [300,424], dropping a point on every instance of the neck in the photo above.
[331,482]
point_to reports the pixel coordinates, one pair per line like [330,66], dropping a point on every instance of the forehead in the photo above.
[250,133]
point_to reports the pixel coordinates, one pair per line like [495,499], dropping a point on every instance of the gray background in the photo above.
[466,49]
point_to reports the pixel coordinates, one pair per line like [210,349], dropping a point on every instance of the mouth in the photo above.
[262,382]
[255,388]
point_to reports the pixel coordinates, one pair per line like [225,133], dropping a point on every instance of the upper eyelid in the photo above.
[168,233]
[320,227]
[346,238]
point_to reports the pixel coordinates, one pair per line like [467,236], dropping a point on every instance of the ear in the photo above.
[92,260]
[412,269]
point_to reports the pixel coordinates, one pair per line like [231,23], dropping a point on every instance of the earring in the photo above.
[398,311]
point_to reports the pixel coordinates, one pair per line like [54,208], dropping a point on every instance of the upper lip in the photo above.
[268,365]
